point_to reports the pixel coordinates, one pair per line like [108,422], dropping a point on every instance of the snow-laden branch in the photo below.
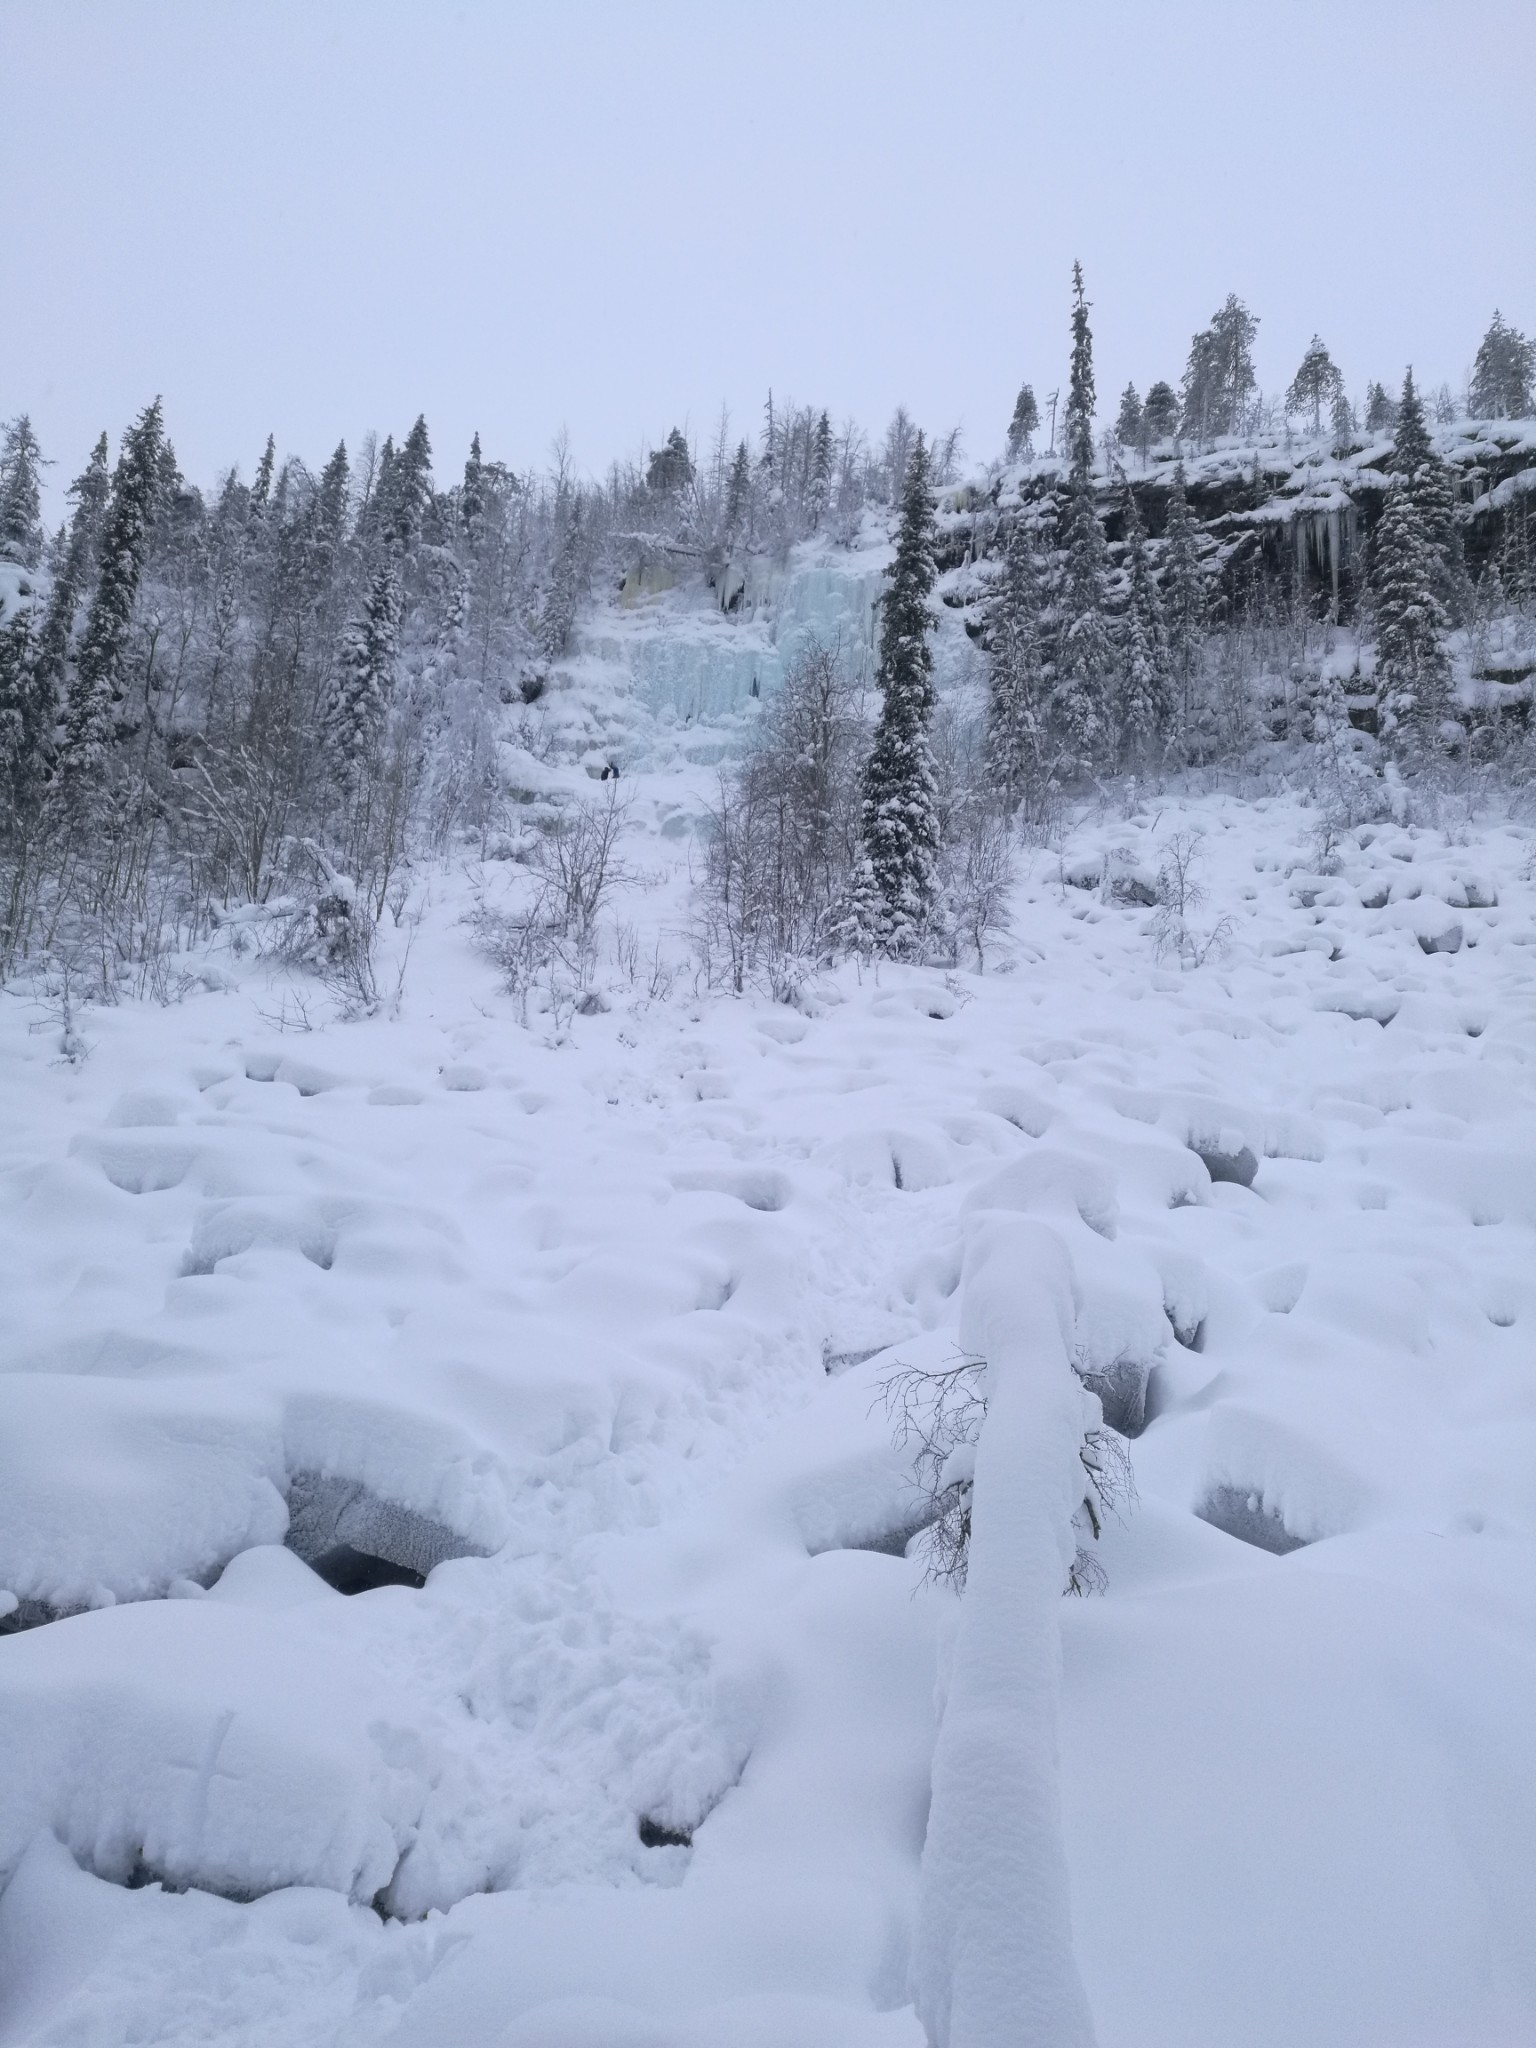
[994,1961]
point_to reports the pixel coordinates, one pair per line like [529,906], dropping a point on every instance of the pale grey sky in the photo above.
[317,216]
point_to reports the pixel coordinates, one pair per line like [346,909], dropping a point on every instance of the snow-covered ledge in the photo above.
[994,1962]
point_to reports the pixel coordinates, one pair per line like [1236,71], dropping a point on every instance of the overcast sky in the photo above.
[317,216]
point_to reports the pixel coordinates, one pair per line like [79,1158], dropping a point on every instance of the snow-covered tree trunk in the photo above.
[994,1966]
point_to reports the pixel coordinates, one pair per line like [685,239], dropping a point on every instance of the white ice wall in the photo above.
[687,658]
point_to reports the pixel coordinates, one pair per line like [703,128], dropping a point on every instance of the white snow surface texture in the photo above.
[589,1325]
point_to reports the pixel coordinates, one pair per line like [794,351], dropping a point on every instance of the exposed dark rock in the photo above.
[655,1834]
[1238,1167]
[1246,1516]
[1122,1392]
[338,1525]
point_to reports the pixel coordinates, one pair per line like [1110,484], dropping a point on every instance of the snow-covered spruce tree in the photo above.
[1219,376]
[1413,669]
[1016,691]
[1160,414]
[1131,420]
[1504,375]
[19,752]
[261,485]
[1024,424]
[472,491]
[74,566]
[1341,423]
[557,614]
[1429,485]
[1186,603]
[352,722]
[1316,384]
[1086,652]
[99,685]
[736,529]
[355,709]
[899,827]
[21,527]
[818,496]
[1144,704]
[327,523]
[670,469]
[1380,411]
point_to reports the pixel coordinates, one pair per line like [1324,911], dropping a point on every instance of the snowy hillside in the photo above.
[452,1533]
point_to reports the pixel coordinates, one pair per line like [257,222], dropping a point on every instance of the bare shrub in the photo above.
[578,864]
[976,868]
[783,835]
[551,942]
[1179,894]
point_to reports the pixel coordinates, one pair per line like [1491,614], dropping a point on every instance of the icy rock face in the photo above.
[699,664]
[835,603]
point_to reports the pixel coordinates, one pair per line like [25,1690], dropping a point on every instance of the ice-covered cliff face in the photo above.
[689,659]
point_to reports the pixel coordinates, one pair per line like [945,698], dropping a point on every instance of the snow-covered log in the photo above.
[994,1962]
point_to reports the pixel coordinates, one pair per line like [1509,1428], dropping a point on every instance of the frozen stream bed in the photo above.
[451,1540]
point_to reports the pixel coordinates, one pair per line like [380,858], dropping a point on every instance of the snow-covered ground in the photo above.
[587,1322]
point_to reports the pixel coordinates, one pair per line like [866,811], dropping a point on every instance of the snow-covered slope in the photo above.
[587,1324]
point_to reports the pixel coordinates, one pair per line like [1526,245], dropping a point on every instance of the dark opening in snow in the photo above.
[28,1613]
[1237,1167]
[655,1834]
[355,1571]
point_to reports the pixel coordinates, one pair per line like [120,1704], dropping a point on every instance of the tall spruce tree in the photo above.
[1413,670]
[74,568]
[100,686]
[1024,424]
[1131,420]
[1186,604]
[1380,412]
[1144,700]
[1429,485]
[357,705]
[738,501]
[1160,414]
[1504,375]
[1085,658]
[21,461]
[472,495]
[1016,734]
[20,755]
[330,518]
[1341,423]
[1219,375]
[818,497]
[900,818]
[563,596]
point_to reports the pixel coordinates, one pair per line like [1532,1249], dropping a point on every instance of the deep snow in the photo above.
[587,1322]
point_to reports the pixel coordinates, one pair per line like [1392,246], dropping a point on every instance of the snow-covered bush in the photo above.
[939,1413]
